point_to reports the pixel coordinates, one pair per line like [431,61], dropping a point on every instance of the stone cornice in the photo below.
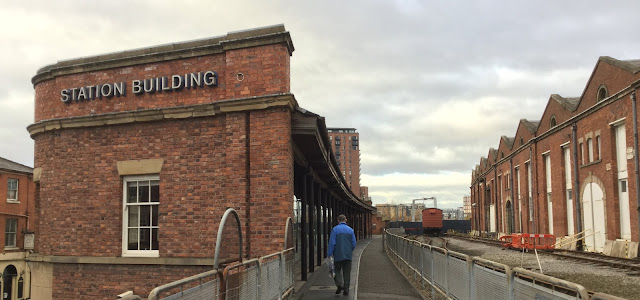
[181,112]
[215,45]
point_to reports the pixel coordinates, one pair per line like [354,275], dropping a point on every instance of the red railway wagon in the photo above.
[432,220]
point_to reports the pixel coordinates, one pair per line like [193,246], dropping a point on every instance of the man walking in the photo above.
[341,243]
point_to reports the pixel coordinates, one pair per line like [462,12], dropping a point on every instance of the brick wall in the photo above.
[204,172]
[71,282]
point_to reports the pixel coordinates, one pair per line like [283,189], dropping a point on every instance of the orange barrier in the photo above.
[538,241]
[506,241]
[528,241]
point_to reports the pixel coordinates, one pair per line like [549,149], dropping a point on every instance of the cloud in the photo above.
[430,85]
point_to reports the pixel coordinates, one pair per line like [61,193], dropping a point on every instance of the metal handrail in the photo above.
[153,295]
[223,221]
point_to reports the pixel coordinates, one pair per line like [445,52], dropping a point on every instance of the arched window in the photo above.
[521,141]
[501,154]
[602,93]
[552,123]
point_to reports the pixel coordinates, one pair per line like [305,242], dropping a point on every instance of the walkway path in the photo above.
[373,276]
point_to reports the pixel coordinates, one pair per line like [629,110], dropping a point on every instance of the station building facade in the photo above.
[139,154]
[572,172]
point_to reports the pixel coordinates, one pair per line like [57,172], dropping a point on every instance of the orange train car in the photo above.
[432,221]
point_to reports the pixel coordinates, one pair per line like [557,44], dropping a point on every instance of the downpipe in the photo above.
[576,183]
[635,156]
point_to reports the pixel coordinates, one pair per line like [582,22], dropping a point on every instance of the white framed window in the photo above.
[12,190]
[141,200]
[547,164]
[10,233]
[598,145]
[590,149]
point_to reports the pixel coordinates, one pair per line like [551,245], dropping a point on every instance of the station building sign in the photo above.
[141,86]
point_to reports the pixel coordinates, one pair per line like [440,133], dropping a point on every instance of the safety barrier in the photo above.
[459,276]
[266,278]
[528,241]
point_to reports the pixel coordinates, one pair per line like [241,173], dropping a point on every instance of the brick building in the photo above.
[466,206]
[571,171]
[346,147]
[17,217]
[139,153]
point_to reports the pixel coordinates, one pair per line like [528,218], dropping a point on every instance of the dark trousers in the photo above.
[343,273]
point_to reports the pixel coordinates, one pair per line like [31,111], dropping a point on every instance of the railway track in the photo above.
[631,266]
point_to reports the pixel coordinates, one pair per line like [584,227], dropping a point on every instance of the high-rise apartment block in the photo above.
[466,204]
[346,147]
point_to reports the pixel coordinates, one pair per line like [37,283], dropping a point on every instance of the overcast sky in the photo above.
[429,85]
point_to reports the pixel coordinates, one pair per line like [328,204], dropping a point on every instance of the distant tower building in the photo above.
[346,147]
[364,193]
[466,200]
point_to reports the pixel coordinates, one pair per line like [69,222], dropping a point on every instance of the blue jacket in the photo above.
[341,242]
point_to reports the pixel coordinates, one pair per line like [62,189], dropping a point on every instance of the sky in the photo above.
[429,85]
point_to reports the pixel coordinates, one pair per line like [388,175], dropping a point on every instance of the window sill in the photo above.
[591,163]
[151,253]
[11,248]
[13,201]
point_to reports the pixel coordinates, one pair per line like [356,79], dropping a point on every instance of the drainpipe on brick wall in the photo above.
[576,182]
[495,192]
[635,155]
[247,129]
[513,199]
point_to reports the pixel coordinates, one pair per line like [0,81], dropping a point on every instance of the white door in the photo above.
[594,222]
[623,194]
[492,216]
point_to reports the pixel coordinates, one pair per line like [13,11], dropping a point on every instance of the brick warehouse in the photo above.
[139,153]
[575,170]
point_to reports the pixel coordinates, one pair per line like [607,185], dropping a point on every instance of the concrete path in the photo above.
[379,278]
[373,276]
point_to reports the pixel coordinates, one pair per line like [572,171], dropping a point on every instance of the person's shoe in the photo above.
[339,290]
[346,292]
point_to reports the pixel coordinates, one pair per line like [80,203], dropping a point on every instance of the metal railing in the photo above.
[459,276]
[267,278]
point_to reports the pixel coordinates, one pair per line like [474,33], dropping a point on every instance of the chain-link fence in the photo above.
[458,276]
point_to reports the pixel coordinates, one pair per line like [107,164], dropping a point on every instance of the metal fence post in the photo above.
[446,272]
[510,287]
[472,282]
[433,286]
[422,265]
[281,275]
